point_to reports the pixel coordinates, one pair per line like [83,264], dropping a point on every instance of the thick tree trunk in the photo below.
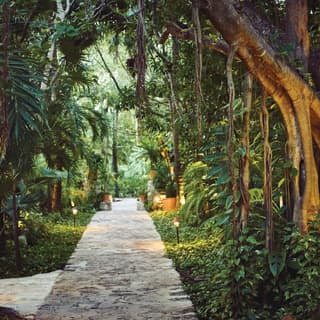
[297,30]
[245,158]
[298,103]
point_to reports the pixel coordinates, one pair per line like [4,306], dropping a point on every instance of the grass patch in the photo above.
[51,241]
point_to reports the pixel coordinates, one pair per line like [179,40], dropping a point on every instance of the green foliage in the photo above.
[302,273]
[171,189]
[196,190]
[240,280]
[51,241]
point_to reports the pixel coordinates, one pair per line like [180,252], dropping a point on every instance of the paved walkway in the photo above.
[118,272]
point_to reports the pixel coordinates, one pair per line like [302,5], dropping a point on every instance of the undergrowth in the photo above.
[50,242]
[241,280]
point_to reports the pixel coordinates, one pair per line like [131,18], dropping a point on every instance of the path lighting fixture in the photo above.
[74,212]
[176,222]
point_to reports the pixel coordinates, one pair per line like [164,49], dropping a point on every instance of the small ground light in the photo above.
[74,212]
[176,222]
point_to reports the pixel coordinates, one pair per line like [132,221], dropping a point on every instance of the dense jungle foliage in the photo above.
[214,103]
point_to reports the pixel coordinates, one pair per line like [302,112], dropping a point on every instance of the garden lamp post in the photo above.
[74,212]
[176,223]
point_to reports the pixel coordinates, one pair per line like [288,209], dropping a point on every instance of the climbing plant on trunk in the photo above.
[298,103]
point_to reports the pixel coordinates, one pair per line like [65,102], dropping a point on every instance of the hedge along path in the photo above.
[118,272]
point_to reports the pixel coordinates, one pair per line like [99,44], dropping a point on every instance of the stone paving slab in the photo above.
[26,294]
[118,272]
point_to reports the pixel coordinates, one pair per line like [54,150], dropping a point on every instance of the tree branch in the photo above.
[108,69]
[188,34]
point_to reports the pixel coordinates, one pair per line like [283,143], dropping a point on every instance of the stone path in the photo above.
[26,294]
[118,272]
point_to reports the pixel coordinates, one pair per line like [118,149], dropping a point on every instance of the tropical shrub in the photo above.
[196,192]
[239,279]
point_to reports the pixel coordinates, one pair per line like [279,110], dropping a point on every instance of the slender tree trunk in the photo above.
[198,72]
[289,201]
[231,142]
[16,228]
[4,73]
[115,167]
[2,233]
[141,57]
[56,200]
[174,106]
[245,158]
[56,204]
[267,172]
[49,197]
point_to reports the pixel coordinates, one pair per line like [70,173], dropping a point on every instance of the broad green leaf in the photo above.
[224,178]
[215,170]
[276,262]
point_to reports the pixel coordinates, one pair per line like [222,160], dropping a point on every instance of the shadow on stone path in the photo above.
[118,272]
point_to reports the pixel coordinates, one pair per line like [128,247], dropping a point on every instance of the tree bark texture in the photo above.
[298,103]
[141,57]
[231,141]
[56,204]
[245,158]
[267,172]
[297,30]
[56,195]
[4,74]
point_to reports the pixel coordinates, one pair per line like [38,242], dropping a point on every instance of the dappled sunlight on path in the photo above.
[118,271]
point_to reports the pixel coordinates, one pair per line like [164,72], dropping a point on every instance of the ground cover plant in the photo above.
[50,240]
[227,280]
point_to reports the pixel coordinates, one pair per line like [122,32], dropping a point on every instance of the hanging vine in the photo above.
[198,72]
[267,176]
[231,140]
[245,156]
